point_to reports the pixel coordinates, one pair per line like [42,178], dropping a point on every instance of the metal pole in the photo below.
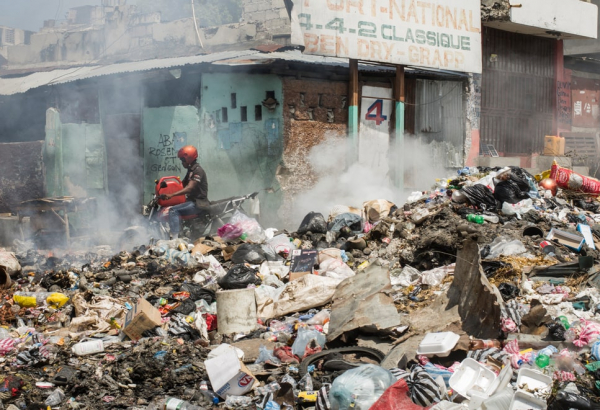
[353,114]
[399,128]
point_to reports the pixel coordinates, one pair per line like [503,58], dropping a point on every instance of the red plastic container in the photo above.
[169,185]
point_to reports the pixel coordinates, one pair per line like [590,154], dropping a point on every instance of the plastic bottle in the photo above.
[478,219]
[55,398]
[210,395]
[491,218]
[172,403]
[33,299]
[478,344]
[91,347]
[542,361]
[320,318]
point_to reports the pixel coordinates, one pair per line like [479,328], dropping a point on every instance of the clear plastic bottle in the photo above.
[491,218]
[33,299]
[172,403]
[210,395]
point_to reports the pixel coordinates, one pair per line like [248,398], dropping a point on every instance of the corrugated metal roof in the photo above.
[16,85]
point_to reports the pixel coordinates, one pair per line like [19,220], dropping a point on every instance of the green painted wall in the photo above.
[241,155]
[164,131]
[74,157]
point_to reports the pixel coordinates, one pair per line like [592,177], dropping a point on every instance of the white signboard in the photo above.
[374,138]
[443,34]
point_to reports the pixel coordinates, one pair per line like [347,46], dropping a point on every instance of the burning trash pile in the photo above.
[482,293]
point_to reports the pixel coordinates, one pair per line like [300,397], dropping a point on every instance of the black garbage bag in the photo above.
[197,292]
[239,277]
[509,191]
[480,196]
[508,291]
[185,307]
[521,178]
[313,222]
[249,253]
[556,331]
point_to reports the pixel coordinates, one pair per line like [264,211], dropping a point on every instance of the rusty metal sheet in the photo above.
[22,176]
[479,302]
[517,91]
[363,302]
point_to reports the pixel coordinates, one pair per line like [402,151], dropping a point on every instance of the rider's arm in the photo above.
[188,188]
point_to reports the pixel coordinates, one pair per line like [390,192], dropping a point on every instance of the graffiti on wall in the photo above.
[163,154]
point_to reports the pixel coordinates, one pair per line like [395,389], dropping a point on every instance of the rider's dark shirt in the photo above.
[200,191]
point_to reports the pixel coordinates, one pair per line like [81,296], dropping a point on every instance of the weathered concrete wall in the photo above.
[22,176]
[495,10]
[314,110]
[241,144]
[271,13]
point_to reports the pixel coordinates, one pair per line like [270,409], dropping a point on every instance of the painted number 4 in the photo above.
[375,113]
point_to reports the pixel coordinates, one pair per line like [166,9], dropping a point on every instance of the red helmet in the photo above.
[188,152]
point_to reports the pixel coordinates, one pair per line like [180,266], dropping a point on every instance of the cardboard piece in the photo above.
[228,251]
[567,239]
[199,247]
[303,262]
[228,375]
[143,316]
[586,231]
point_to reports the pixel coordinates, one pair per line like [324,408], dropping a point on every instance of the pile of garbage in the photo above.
[482,293]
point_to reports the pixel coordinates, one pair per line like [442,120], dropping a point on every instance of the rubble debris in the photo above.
[455,282]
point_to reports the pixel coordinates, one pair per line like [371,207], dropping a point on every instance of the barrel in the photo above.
[236,311]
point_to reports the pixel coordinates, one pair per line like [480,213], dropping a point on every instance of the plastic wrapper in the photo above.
[313,222]
[508,291]
[360,388]
[405,277]
[517,209]
[505,246]
[435,276]
[567,179]
[239,277]
[265,355]
[480,196]
[303,339]
[320,318]
[249,226]
[229,232]
[346,220]
[249,253]
[335,268]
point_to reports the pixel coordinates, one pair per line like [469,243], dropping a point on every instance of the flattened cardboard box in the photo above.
[142,317]
[228,375]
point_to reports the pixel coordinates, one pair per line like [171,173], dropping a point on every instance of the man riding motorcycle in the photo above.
[195,188]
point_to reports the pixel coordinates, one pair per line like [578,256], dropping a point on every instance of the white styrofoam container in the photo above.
[472,377]
[534,380]
[526,401]
[438,344]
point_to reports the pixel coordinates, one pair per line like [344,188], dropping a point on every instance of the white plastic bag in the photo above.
[505,246]
[405,277]
[435,276]
[250,226]
[518,209]
[335,268]
[303,339]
